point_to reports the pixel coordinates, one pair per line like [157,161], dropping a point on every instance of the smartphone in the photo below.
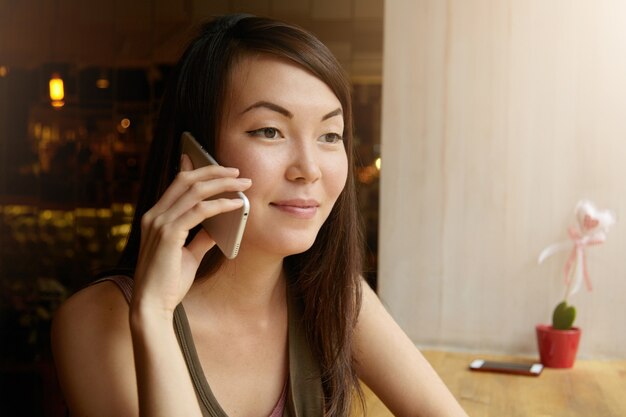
[530,369]
[226,229]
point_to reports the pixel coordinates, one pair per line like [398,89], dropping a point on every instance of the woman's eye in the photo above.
[331,138]
[266,133]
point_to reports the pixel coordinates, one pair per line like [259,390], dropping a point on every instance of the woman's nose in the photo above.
[304,165]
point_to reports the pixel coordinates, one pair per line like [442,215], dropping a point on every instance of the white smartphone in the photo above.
[225,228]
[530,369]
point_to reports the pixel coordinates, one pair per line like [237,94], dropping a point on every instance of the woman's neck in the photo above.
[248,285]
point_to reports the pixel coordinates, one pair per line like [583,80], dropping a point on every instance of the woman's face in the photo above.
[282,127]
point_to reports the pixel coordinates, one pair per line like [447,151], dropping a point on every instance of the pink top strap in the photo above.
[280,405]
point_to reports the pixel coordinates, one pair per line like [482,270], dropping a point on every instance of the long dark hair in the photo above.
[326,278]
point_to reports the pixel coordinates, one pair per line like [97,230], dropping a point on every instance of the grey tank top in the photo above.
[304,390]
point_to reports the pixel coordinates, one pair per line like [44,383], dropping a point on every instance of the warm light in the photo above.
[56,90]
[128,209]
[4,70]
[377,163]
[46,134]
[123,125]
[102,82]
[104,213]
[45,215]
[120,229]
[56,87]
[37,130]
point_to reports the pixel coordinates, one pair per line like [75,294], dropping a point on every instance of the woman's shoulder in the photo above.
[92,348]
[94,310]
[101,294]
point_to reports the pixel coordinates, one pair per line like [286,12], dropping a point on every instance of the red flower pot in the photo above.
[557,348]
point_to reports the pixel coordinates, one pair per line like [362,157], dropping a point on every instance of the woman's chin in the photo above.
[281,246]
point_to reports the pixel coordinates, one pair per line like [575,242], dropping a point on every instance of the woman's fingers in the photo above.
[185,163]
[186,178]
[200,245]
[203,210]
[200,191]
[172,230]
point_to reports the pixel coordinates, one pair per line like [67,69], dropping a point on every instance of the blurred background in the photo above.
[71,160]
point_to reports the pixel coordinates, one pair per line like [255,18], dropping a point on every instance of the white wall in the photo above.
[498,116]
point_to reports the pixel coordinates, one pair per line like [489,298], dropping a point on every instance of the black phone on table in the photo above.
[530,369]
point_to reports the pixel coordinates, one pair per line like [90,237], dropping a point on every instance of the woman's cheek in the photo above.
[339,175]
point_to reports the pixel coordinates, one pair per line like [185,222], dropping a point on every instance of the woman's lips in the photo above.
[300,208]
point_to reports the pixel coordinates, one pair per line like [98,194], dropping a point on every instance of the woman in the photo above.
[285,328]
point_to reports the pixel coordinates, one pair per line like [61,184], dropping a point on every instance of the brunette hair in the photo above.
[327,277]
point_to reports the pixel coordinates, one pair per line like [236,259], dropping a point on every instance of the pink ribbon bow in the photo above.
[592,228]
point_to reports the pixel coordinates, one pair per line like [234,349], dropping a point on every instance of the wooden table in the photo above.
[589,389]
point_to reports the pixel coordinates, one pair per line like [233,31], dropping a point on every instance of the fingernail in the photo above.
[246,180]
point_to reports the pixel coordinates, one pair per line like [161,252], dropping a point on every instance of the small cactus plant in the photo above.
[563,316]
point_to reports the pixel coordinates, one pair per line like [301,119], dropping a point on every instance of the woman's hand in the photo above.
[166,267]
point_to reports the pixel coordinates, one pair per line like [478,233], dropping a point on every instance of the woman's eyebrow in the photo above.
[336,112]
[270,106]
[279,109]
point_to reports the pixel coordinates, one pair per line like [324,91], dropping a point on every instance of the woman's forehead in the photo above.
[270,78]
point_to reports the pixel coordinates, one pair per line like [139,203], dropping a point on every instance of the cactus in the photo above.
[591,228]
[563,316]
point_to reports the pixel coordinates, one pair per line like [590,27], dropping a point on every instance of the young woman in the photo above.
[284,329]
